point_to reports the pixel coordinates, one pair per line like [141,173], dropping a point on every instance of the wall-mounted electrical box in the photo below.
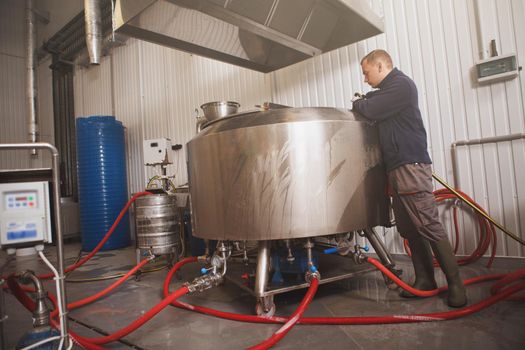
[24,214]
[156,151]
[497,68]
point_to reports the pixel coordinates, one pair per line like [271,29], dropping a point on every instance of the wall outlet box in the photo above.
[497,68]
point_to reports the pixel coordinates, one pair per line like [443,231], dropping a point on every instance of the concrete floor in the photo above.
[498,327]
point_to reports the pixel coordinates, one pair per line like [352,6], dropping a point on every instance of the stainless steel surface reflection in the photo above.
[157,223]
[220,109]
[287,173]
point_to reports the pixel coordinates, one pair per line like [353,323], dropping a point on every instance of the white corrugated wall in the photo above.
[154,91]
[13,115]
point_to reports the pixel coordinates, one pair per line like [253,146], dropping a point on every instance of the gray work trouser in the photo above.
[414,203]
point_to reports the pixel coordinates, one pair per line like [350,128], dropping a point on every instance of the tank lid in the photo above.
[277,116]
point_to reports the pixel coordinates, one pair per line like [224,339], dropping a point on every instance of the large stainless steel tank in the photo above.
[157,223]
[286,173]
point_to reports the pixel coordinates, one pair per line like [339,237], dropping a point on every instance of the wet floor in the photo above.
[497,327]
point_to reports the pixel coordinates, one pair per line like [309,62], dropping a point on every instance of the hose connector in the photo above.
[203,259]
[41,312]
[358,256]
[312,273]
[204,282]
[149,255]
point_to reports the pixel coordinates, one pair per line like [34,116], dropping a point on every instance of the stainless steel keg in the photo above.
[157,223]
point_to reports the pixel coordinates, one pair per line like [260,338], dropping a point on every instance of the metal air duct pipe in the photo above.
[31,93]
[93,19]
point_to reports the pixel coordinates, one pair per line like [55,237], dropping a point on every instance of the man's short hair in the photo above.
[378,55]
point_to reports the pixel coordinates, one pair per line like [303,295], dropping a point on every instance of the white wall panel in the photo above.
[93,89]
[437,43]
[12,14]
[154,91]
[13,118]
[128,108]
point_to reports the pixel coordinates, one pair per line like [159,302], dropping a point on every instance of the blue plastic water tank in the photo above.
[102,181]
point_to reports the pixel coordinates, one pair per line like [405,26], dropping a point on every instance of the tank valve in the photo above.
[290,258]
[204,282]
[41,312]
[359,256]
[312,273]
[149,255]
[332,250]
[245,259]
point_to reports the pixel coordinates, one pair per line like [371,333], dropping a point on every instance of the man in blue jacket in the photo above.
[393,106]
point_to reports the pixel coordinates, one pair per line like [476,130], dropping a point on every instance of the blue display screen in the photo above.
[12,235]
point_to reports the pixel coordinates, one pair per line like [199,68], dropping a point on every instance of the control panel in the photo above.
[157,151]
[24,214]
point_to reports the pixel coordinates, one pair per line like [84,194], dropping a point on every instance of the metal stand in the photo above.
[379,247]
[334,268]
[265,303]
[3,317]
[383,254]
[57,217]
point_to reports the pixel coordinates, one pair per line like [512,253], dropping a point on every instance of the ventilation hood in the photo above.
[263,35]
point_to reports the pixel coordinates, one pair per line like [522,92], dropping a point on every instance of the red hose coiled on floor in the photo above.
[104,240]
[487,231]
[437,316]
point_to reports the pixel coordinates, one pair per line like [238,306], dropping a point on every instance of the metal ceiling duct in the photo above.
[93,19]
[264,35]
[31,88]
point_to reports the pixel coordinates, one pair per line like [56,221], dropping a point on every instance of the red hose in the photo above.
[438,316]
[399,282]
[292,321]
[501,293]
[140,321]
[92,298]
[20,294]
[487,231]
[173,270]
[104,240]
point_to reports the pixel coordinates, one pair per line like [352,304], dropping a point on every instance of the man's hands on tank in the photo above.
[358,96]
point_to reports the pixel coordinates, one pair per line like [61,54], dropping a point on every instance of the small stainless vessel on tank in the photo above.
[286,173]
[219,109]
[157,224]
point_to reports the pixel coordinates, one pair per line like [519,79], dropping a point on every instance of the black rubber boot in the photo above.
[423,266]
[457,294]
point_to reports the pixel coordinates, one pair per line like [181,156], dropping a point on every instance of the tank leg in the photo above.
[383,254]
[139,272]
[265,304]
[137,254]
